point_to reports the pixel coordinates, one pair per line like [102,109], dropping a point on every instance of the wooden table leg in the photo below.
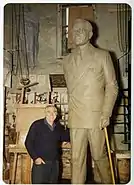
[13,177]
[28,170]
[21,155]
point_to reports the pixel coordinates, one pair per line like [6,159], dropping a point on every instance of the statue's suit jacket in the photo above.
[92,86]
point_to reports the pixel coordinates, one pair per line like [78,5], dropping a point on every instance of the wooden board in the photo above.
[25,116]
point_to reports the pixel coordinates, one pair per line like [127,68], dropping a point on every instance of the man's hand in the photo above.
[39,161]
[66,144]
[104,122]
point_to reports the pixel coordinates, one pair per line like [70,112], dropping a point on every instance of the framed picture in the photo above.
[57,81]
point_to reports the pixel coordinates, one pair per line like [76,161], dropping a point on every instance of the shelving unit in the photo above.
[126,114]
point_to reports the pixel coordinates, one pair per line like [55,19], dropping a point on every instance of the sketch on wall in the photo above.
[57,81]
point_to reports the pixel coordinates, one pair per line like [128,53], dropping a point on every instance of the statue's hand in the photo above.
[104,122]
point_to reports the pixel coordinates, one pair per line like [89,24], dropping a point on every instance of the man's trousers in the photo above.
[79,141]
[45,173]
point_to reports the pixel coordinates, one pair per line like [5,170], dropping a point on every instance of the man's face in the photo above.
[80,35]
[51,114]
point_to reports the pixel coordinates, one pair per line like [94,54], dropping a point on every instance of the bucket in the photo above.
[124,170]
[123,165]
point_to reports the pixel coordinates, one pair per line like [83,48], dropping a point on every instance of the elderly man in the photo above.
[92,90]
[42,143]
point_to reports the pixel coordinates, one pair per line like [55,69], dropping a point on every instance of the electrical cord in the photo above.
[25,42]
[18,40]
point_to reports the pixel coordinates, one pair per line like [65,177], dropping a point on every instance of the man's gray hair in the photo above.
[49,106]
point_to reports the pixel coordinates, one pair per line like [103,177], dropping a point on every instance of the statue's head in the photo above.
[82,32]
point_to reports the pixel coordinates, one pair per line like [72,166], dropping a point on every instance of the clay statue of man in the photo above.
[92,91]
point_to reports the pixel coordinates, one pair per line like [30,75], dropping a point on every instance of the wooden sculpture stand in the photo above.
[17,150]
[26,179]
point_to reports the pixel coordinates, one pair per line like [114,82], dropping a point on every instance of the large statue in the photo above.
[92,91]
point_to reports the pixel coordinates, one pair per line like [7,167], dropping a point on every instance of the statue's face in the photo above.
[80,35]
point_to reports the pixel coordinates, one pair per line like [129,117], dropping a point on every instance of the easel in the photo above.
[20,151]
